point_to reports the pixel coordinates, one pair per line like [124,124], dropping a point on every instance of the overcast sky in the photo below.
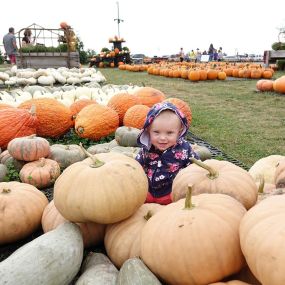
[155,27]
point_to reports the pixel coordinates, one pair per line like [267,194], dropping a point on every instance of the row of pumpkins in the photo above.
[215,226]
[49,76]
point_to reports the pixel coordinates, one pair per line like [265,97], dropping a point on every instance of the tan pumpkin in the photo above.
[189,236]
[96,121]
[126,150]
[122,240]
[41,173]
[104,188]
[102,147]
[66,155]
[21,207]
[183,107]
[55,119]
[279,178]
[92,233]
[16,123]
[232,282]
[121,103]
[3,172]
[262,240]
[215,176]
[127,136]
[135,116]
[29,148]
[149,96]
[266,167]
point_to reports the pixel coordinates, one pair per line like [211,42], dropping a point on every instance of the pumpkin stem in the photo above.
[32,136]
[6,190]
[96,161]
[213,174]
[33,110]
[188,200]
[148,215]
[261,185]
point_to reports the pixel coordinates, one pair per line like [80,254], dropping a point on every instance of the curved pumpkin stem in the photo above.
[96,161]
[148,215]
[188,200]
[213,174]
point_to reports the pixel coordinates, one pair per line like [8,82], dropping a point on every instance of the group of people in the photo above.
[10,44]
[195,56]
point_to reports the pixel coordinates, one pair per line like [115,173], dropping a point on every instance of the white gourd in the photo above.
[4,76]
[46,80]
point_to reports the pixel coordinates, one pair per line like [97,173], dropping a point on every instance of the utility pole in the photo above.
[118,19]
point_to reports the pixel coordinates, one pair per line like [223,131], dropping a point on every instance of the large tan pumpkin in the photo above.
[92,233]
[215,176]
[190,244]
[122,240]
[105,188]
[232,282]
[262,240]
[135,116]
[96,121]
[149,96]
[266,166]
[55,119]
[21,207]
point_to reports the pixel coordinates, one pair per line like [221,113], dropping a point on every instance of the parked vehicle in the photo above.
[137,58]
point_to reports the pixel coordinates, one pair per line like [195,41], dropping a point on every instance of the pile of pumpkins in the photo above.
[215,227]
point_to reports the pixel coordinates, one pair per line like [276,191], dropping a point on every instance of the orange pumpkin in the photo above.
[5,106]
[41,173]
[78,105]
[279,85]
[149,96]
[128,231]
[55,119]
[21,206]
[183,107]
[29,148]
[222,75]
[194,75]
[121,103]
[135,116]
[93,233]
[96,121]
[16,123]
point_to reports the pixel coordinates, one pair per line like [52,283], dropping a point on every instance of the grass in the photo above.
[230,115]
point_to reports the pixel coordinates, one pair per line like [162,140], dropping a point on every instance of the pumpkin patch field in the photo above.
[72,195]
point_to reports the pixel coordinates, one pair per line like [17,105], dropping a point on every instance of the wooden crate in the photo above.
[48,59]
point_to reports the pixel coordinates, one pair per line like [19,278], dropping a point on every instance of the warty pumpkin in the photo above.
[16,123]
[21,207]
[215,176]
[92,233]
[78,105]
[96,121]
[135,116]
[149,96]
[190,235]
[55,119]
[104,188]
[29,148]
[122,240]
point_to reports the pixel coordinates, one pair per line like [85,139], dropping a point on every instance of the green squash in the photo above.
[127,136]
[97,269]
[53,258]
[135,272]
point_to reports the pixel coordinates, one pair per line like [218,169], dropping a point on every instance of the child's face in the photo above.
[165,130]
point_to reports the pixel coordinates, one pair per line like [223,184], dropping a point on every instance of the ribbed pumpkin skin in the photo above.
[262,240]
[183,107]
[55,119]
[121,103]
[29,148]
[21,210]
[40,173]
[149,96]
[135,116]
[189,240]
[122,240]
[92,233]
[96,121]
[231,180]
[104,194]
[78,105]
[16,123]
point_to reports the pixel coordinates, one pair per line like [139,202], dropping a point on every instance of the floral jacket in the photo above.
[161,167]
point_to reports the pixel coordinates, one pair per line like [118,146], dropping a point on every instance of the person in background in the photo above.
[215,55]
[198,55]
[220,54]
[181,54]
[211,52]
[192,56]
[27,39]
[164,150]
[9,42]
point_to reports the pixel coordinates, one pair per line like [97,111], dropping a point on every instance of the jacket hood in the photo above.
[143,138]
